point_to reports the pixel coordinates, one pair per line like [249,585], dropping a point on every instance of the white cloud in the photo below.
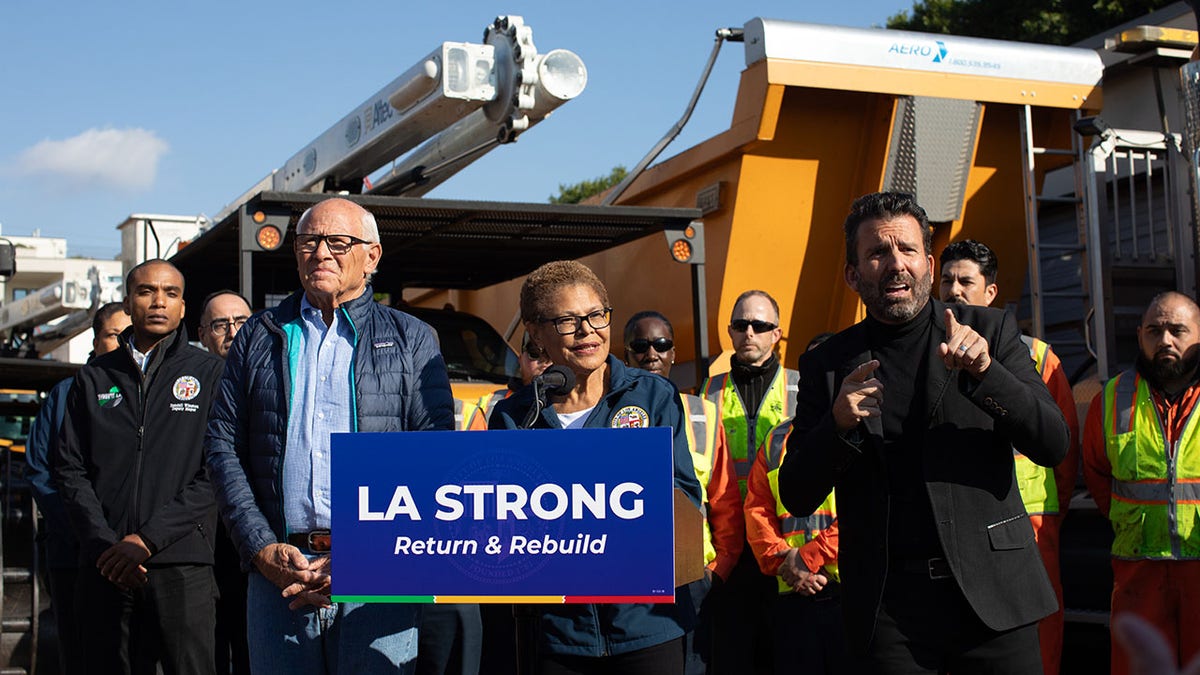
[120,158]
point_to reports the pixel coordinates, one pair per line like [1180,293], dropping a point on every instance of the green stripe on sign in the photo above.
[422,599]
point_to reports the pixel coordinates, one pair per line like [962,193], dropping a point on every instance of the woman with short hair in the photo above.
[566,312]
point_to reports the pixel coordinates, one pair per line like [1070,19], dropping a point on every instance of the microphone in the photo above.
[556,381]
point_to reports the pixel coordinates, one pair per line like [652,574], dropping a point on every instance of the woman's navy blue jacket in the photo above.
[609,629]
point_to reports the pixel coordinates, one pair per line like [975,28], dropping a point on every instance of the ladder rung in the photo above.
[13,670]
[17,575]
[1068,248]
[1058,200]
[1064,294]
[1054,151]
[16,625]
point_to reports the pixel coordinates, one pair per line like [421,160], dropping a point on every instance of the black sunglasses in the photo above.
[661,345]
[740,325]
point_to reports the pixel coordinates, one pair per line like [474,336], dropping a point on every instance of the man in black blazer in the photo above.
[912,416]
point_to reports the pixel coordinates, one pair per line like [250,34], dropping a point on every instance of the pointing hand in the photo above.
[964,348]
[860,397]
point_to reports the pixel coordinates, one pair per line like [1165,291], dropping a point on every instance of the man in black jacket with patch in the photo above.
[912,415]
[129,466]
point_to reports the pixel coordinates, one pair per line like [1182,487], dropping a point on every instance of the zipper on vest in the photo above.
[135,510]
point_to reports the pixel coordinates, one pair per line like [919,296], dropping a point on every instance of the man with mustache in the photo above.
[912,415]
[1141,460]
[969,278]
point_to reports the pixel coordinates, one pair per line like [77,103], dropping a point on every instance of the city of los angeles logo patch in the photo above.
[630,417]
[186,388]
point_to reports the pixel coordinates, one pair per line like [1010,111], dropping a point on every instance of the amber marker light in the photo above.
[681,250]
[268,236]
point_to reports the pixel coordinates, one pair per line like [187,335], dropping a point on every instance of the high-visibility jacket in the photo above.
[1047,491]
[772,530]
[778,404]
[723,523]
[488,402]
[467,416]
[1155,488]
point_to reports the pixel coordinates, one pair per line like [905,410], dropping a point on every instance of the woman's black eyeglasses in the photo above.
[740,325]
[570,324]
[661,345]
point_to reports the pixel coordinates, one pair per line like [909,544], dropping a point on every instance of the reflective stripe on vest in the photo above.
[797,531]
[463,414]
[488,403]
[1036,483]
[702,441]
[778,404]
[1155,492]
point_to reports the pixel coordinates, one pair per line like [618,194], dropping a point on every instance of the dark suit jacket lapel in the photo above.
[937,376]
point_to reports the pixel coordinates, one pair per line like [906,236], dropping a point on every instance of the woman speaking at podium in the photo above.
[566,312]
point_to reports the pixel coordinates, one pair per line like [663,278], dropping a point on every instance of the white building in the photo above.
[50,287]
[42,263]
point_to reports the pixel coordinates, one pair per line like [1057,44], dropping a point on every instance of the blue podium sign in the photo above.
[542,516]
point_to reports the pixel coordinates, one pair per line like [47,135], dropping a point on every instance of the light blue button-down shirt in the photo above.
[321,405]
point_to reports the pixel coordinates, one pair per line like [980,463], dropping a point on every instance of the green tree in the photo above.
[573,194]
[1060,22]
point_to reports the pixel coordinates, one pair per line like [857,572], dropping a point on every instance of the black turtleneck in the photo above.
[903,354]
[752,383]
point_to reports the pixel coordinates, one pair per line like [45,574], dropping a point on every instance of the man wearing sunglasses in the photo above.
[650,345]
[752,398]
[328,359]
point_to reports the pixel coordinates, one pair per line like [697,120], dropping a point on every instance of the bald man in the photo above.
[269,435]
[224,314]
[130,470]
[1141,460]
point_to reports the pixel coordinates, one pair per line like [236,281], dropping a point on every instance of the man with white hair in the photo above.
[328,359]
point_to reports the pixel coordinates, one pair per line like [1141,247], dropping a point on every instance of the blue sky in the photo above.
[161,107]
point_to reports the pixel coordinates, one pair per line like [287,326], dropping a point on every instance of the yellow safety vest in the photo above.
[797,531]
[463,412]
[487,403]
[702,441]
[1155,493]
[778,405]
[1036,483]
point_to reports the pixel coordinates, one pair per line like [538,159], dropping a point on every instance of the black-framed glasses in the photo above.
[661,345]
[740,325]
[222,326]
[338,244]
[570,324]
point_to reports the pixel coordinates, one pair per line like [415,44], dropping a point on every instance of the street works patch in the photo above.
[111,398]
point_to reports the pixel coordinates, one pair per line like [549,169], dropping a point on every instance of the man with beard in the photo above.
[969,278]
[912,415]
[1141,460]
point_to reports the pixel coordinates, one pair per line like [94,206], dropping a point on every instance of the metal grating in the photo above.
[930,152]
